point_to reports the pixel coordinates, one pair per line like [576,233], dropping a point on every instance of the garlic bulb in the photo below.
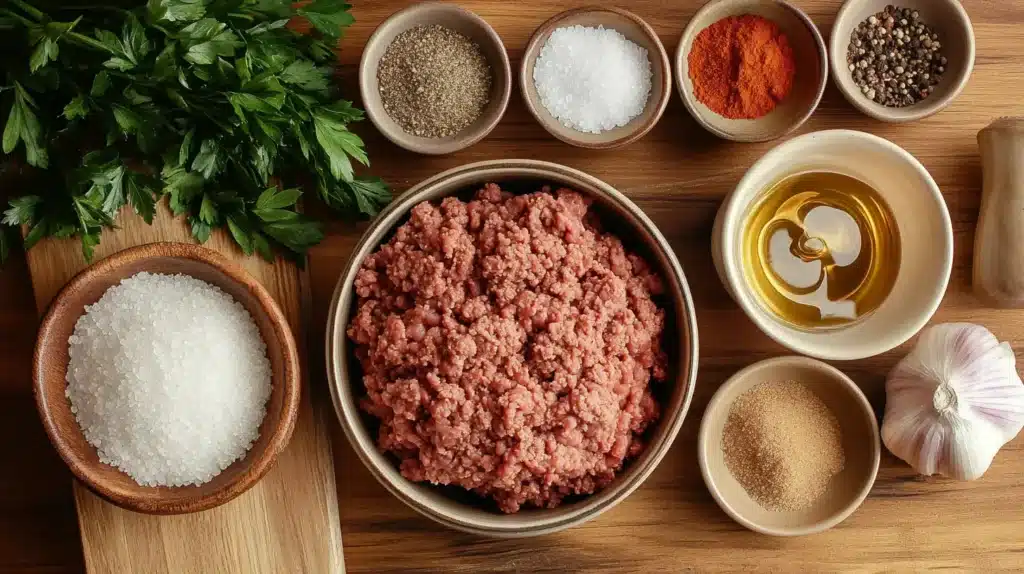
[953,402]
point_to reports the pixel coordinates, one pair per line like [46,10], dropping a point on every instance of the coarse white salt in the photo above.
[592,79]
[168,379]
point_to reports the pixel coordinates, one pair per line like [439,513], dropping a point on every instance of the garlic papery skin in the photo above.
[953,402]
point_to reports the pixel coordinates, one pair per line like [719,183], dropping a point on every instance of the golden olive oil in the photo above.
[821,250]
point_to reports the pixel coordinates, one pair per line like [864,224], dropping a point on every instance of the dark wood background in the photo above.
[679,175]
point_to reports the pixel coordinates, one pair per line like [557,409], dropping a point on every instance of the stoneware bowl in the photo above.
[926,240]
[946,17]
[51,363]
[460,20]
[635,30]
[808,83]
[452,506]
[861,447]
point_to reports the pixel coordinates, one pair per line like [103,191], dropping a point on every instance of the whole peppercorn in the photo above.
[904,61]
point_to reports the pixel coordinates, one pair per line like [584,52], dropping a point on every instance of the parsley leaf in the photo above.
[177,10]
[328,16]
[306,75]
[338,143]
[22,210]
[240,231]
[76,108]
[371,193]
[272,198]
[217,104]
[207,39]
[23,125]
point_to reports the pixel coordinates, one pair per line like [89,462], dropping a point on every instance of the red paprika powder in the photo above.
[742,66]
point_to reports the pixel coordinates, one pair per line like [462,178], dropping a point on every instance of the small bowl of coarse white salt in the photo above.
[167,378]
[596,77]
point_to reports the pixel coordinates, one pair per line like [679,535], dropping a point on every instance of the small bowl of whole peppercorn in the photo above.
[902,62]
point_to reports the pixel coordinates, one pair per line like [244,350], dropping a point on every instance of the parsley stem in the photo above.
[91,42]
[25,21]
[31,10]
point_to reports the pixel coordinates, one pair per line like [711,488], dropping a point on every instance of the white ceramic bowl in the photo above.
[926,238]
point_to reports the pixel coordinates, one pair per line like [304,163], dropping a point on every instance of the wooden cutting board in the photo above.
[288,522]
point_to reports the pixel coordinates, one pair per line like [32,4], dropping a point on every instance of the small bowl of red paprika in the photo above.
[751,70]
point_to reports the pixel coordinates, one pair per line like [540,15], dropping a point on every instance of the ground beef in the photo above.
[507,346]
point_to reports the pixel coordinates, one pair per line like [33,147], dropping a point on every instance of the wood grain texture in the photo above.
[679,174]
[286,523]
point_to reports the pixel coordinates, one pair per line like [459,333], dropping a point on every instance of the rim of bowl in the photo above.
[256,467]
[350,421]
[525,78]
[687,96]
[922,109]
[436,148]
[717,403]
[741,293]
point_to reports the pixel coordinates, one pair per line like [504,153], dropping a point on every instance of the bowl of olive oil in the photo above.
[837,244]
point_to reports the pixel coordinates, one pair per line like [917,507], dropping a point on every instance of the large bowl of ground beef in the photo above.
[512,347]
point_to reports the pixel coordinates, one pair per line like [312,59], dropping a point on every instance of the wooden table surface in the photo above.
[679,175]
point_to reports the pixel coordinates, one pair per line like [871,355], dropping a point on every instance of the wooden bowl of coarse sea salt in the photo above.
[596,77]
[167,378]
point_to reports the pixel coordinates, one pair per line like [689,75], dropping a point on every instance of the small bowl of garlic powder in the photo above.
[789,446]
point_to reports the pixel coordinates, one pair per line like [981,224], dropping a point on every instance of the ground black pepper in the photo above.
[434,81]
[895,58]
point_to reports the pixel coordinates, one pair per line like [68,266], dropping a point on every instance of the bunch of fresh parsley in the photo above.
[221,105]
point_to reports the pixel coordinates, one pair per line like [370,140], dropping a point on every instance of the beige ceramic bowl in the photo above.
[917,205]
[946,17]
[808,84]
[462,21]
[634,29]
[453,507]
[861,447]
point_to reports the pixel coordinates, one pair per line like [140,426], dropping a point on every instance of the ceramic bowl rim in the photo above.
[717,403]
[688,98]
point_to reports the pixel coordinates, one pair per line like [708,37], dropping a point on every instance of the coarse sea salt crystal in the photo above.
[592,79]
[168,378]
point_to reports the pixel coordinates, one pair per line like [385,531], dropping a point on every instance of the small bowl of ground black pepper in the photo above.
[435,78]
[751,70]
[789,446]
[902,62]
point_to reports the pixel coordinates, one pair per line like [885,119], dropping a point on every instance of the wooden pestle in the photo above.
[999,239]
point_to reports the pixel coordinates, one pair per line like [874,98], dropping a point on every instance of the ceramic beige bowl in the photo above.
[926,240]
[946,17]
[861,447]
[454,507]
[634,29]
[455,18]
[808,83]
